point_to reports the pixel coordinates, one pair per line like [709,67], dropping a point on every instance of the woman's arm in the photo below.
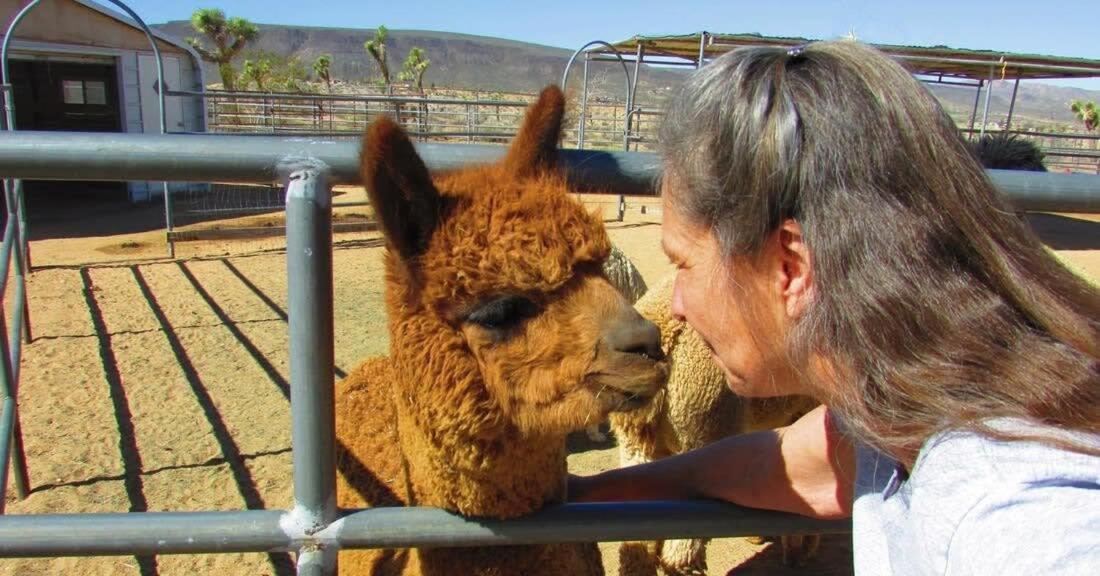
[807,468]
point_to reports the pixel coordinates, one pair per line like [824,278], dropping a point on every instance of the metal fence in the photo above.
[475,118]
[600,124]
[314,528]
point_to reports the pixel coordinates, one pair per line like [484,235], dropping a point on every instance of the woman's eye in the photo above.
[505,312]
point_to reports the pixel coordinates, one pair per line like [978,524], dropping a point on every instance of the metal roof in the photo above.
[930,60]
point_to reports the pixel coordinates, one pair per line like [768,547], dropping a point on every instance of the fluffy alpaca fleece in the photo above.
[504,337]
[623,275]
[695,409]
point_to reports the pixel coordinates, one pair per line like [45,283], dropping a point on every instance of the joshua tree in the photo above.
[228,37]
[1086,112]
[377,49]
[322,66]
[415,66]
[258,72]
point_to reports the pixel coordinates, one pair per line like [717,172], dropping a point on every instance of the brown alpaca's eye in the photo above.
[502,313]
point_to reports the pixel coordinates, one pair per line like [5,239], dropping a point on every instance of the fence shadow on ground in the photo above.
[833,558]
[124,417]
[1065,232]
[242,476]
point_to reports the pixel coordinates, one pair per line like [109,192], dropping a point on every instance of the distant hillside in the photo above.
[457,60]
[1035,103]
[496,64]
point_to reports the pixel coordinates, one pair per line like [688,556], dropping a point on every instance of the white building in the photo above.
[79,66]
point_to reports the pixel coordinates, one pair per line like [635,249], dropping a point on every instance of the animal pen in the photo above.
[313,527]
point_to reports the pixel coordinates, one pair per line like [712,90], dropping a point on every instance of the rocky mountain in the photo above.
[1037,105]
[496,64]
[457,60]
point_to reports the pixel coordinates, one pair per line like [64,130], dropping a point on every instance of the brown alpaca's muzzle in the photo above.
[629,367]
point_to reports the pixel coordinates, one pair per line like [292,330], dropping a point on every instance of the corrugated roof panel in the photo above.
[931,60]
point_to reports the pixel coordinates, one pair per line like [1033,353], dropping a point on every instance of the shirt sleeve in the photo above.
[1040,528]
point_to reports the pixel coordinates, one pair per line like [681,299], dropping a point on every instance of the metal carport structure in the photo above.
[934,64]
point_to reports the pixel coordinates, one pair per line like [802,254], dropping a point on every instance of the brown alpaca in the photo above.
[505,336]
[695,409]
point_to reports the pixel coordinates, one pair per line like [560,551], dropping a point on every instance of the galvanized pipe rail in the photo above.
[314,527]
[273,530]
[265,159]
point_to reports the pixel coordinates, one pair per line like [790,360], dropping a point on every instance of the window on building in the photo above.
[73,91]
[93,92]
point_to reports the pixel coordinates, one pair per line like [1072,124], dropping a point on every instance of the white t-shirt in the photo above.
[974,505]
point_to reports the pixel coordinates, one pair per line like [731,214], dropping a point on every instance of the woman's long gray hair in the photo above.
[936,305]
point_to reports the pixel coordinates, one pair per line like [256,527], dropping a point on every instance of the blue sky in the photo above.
[1054,27]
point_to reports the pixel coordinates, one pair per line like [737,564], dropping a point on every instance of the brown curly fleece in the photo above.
[469,417]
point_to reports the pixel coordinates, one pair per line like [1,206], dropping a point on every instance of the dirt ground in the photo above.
[156,384]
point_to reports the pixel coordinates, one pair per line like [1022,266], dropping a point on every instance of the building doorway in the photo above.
[77,97]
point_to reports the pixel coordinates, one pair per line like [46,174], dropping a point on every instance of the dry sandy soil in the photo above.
[155,384]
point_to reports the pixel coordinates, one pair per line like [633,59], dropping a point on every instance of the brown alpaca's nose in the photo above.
[633,334]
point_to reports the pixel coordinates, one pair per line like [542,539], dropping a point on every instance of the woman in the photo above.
[834,237]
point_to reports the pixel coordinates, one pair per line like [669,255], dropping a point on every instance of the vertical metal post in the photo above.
[584,105]
[988,92]
[469,123]
[1012,105]
[702,49]
[24,242]
[974,110]
[639,55]
[313,437]
[19,324]
[11,444]
[17,216]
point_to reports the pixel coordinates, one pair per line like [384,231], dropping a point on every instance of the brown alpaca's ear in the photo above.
[399,187]
[535,148]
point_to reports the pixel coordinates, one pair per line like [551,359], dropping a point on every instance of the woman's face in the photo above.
[733,305]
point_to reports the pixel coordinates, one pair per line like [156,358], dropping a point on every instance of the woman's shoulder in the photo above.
[1011,505]
[1040,457]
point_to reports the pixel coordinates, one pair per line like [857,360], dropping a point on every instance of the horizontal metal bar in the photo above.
[216,95]
[260,231]
[1049,192]
[268,530]
[941,81]
[207,158]
[592,522]
[1060,135]
[142,533]
[1060,68]
[1070,153]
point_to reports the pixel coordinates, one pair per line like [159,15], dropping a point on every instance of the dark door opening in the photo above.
[70,97]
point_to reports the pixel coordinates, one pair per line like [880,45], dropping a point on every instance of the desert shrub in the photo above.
[1008,152]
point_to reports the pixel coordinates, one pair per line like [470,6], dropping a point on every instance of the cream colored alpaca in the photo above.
[696,408]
